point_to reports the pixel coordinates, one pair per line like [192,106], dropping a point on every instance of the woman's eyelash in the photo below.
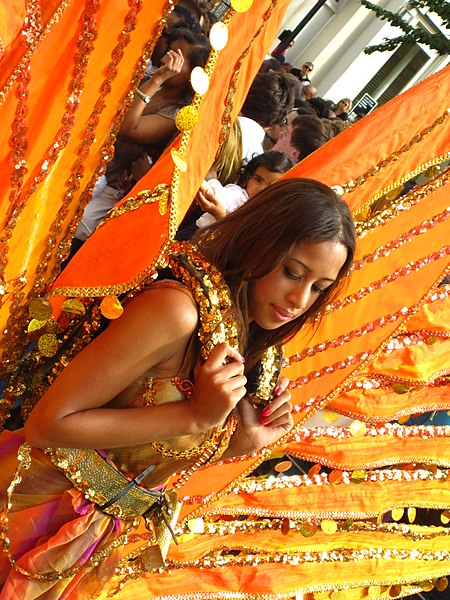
[319,290]
[291,275]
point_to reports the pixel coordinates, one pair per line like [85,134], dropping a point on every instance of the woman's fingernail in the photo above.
[264,421]
[266,412]
[278,391]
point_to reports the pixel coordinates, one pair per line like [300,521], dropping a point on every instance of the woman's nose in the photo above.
[299,297]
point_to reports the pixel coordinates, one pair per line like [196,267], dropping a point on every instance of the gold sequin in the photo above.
[73,306]
[40,309]
[111,307]
[186,118]
[48,344]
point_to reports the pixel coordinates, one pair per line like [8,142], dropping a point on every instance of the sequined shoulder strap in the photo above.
[217,317]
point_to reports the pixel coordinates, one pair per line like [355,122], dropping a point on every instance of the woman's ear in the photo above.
[296,155]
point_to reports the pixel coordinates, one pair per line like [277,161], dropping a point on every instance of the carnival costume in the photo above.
[352,526]
[111,493]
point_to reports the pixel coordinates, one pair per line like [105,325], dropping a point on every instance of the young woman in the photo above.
[149,124]
[178,381]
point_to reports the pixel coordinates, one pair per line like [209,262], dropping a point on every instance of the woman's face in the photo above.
[291,289]
[183,76]
[260,179]
[343,105]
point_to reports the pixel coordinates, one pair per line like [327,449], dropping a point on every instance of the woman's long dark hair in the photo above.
[252,241]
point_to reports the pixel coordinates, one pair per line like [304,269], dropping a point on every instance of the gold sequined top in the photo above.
[172,455]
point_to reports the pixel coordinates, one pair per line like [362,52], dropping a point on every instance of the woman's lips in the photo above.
[282,314]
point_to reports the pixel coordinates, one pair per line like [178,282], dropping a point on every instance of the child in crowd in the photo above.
[218,200]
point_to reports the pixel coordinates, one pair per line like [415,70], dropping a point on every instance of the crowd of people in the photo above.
[282,113]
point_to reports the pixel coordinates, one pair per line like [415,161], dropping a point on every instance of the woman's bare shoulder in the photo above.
[166,304]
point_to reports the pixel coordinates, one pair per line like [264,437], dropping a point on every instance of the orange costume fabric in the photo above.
[351,526]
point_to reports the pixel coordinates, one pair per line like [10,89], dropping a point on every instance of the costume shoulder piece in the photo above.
[218,322]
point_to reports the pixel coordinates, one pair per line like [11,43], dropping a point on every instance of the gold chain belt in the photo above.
[107,487]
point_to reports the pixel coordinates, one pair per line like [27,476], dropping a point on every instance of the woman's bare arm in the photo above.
[150,337]
[152,128]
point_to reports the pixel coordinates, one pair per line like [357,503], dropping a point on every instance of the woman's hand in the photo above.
[171,64]
[259,428]
[219,386]
[209,203]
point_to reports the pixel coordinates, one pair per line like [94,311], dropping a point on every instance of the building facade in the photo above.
[334,39]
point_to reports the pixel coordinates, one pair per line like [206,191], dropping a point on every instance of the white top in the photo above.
[232,196]
[252,138]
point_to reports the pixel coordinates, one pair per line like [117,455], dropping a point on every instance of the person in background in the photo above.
[268,102]
[179,16]
[305,71]
[270,64]
[343,108]
[149,124]
[304,135]
[309,92]
[320,107]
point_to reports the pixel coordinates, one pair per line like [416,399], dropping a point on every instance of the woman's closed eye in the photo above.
[318,289]
[290,275]
[297,277]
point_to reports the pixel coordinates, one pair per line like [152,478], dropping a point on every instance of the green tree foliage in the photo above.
[412,35]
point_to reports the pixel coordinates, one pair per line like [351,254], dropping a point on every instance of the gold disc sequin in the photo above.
[328,526]
[285,526]
[110,307]
[40,309]
[358,476]
[73,306]
[218,35]
[403,419]
[187,117]
[283,466]
[314,470]
[395,590]
[411,514]
[329,416]
[427,586]
[308,529]
[442,584]
[358,428]
[36,325]
[397,513]
[445,517]
[200,83]
[196,525]
[178,160]
[335,476]
[401,388]
[241,5]
[48,344]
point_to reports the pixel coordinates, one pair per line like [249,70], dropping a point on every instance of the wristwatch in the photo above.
[142,96]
